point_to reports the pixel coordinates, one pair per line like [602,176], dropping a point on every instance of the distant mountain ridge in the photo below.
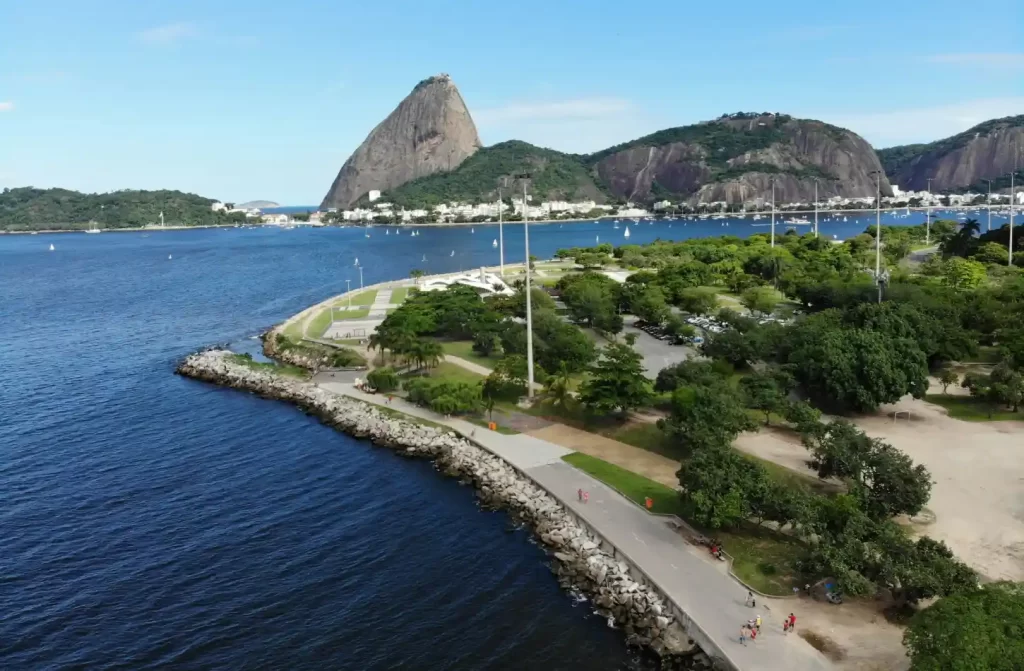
[259,204]
[989,150]
[735,159]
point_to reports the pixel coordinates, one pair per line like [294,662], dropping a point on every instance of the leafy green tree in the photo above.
[857,369]
[990,253]
[500,387]
[947,377]
[706,417]
[973,630]
[962,274]
[764,393]
[697,300]
[760,300]
[731,345]
[840,450]
[486,343]
[650,305]
[717,483]
[689,373]
[383,379]
[804,417]
[617,382]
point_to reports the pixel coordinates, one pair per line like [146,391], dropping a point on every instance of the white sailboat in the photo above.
[93,227]
[169,257]
[453,253]
[424,258]
[52,247]
[472,230]
[597,238]
[626,234]
[494,243]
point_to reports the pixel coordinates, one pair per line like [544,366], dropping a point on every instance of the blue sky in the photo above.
[243,100]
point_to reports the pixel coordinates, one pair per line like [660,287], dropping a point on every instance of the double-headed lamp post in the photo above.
[773,211]
[524,178]
[815,207]
[1009,256]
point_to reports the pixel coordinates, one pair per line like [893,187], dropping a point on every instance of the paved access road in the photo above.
[700,588]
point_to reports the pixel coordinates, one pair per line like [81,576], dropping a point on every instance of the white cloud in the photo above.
[885,129]
[990,60]
[580,108]
[6,106]
[169,33]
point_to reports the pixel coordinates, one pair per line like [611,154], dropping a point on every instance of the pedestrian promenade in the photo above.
[709,597]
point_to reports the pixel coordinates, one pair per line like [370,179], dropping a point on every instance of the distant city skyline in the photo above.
[259,100]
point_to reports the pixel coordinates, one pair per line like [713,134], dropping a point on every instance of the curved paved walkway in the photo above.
[699,588]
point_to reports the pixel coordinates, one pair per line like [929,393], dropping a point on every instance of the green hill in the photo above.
[723,138]
[961,162]
[28,209]
[554,175]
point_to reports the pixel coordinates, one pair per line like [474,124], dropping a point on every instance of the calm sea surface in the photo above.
[148,521]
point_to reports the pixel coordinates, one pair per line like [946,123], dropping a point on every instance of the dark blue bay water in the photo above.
[148,521]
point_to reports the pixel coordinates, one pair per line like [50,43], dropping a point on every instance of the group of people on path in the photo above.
[583,496]
[752,628]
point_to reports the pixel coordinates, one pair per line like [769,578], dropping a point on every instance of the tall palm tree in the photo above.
[376,341]
[557,386]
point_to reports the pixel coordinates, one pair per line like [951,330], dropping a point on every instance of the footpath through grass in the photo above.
[971,409]
[398,295]
[365,298]
[762,558]
[464,350]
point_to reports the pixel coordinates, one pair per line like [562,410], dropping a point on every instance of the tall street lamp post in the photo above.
[878,231]
[773,211]
[524,178]
[928,216]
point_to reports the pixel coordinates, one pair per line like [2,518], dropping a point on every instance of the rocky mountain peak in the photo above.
[430,131]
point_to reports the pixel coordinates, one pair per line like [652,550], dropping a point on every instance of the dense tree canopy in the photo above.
[978,629]
[31,209]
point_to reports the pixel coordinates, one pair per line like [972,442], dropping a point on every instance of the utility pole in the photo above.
[878,231]
[524,177]
[348,292]
[501,233]
[1009,257]
[773,211]
[815,207]
[360,274]
[928,216]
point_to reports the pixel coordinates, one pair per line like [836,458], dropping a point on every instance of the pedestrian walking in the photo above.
[743,635]
[792,622]
[757,622]
[753,635]
[586,497]
[579,494]
[785,626]
[750,600]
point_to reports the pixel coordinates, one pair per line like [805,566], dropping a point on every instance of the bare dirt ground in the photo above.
[978,469]
[977,502]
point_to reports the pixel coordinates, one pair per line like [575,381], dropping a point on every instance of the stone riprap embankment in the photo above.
[581,562]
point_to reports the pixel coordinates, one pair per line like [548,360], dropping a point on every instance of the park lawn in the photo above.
[464,350]
[763,559]
[450,371]
[282,369]
[317,326]
[646,436]
[365,298]
[398,295]
[294,331]
[357,313]
[971,409]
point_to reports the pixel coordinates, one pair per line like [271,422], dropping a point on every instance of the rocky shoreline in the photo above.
[580,563]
